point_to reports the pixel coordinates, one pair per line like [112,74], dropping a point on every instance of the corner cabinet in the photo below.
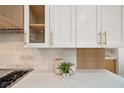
[36,26]
[62,26]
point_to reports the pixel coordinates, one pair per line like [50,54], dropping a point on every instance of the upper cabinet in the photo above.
[86,20]
[36,25]
[62,26]
[42,32]
[98,26]
[68,26]
[109,24]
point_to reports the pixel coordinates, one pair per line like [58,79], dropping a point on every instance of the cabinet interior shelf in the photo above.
[37,26]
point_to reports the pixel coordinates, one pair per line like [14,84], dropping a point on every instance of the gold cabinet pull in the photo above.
[100,38]
[105,38]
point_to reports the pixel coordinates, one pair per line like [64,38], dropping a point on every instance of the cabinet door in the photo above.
[37,25]
[62,26]
[111,26]
[110,64]
[86,26]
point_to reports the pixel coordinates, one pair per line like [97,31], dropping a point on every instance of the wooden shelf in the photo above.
[37,26]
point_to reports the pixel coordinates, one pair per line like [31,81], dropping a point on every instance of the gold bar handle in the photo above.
[105,38]
[100,38]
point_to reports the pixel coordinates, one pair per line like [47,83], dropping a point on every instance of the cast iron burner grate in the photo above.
[10,78]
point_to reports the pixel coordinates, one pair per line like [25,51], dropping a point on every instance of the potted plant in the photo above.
[65,68]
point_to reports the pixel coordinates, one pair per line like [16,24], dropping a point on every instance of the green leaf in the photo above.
[65,67]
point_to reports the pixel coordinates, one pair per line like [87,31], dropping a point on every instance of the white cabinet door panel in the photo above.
[111,24]
[86,26]
[62,26]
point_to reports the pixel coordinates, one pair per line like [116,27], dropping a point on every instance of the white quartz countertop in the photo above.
[86,78]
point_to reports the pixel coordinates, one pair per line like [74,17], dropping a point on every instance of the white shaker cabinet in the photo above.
[62,26]
[109,24]
[86,29]
[68,26]
[99,26]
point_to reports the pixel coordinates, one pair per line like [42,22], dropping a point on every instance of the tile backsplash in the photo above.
[14,55]
[111,53]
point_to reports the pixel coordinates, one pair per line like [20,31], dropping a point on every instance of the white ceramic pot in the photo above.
[65,75]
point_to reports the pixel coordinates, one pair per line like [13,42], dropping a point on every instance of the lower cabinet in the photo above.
[110,64]
[90,58]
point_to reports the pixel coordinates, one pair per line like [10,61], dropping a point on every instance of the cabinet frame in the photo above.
[27,29]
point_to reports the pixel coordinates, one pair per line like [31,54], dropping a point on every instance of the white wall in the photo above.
[121,62]
[13,54]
